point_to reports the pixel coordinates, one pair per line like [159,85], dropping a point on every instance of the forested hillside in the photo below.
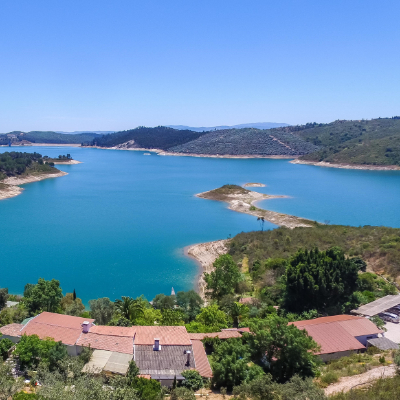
[379,246]
[49,137]
[374,142]
[159,137]
[247,141]
[17,164]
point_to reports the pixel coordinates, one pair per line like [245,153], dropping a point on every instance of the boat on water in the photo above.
[146,154]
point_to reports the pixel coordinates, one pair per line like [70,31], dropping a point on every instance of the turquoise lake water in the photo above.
[117,224]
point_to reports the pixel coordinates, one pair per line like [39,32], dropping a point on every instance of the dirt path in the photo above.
[350,382]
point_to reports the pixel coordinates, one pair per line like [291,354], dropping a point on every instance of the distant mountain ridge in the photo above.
[258,125]
[85,132]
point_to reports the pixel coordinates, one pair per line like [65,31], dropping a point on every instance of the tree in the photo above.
[101,310]
[224,279]
[8,384]
[238,311]
[5,346]
[285,349]
[322,280]
[193,380]
[129,308]
[147,389]
[3,297]
[133,371]
[56,353]
[161,301]
[190,302]
[150,317]
[213,317]
[71,305]
[171,317]
[31,350]
[262,221]
[44,296]
[231,364]
[74,293]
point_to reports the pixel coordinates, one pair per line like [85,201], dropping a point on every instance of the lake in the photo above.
[117,224]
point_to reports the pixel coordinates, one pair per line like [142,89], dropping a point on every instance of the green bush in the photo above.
[148,389]
[5,345]
[193,380]
[329,377]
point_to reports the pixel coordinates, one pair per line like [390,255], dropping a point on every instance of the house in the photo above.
[339,335]
[160,352]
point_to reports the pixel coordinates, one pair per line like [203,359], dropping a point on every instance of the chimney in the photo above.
[157,346]
[85,326]
[188,353]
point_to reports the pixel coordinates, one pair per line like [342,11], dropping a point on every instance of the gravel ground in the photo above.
[349,382]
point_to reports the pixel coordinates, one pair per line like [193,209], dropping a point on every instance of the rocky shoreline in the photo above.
[10,187]
[348,166]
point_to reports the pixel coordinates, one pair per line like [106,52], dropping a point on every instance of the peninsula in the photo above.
[18,168]
[242,200]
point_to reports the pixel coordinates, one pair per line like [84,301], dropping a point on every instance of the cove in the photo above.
[117,224]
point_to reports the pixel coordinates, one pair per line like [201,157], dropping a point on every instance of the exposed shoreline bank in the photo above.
[69,162]
[348,166]
[205,254]
[240,200]
[246,203]
[10,186]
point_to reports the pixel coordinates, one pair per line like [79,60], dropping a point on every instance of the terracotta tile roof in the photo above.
[12,329]
[168,335]
[60,327]
[66,335]
[201,360]
[114,330]
[228,334]
[120,344]
[339,332]
[322,320]
[66,321]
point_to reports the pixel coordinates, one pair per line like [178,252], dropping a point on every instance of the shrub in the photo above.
[193,380]
[5,345]
[329,377]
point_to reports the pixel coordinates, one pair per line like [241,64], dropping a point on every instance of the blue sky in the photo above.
[112,65]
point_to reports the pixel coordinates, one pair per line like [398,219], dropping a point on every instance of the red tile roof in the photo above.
[114,330]
[66,321]
[58,333]
[11,330]
[322,320]
[60,327]
[201,360]
[339,332]
[118,343]
[168,335]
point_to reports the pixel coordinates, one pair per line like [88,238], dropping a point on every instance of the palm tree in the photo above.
[238,311]
[129,308]
[261,219]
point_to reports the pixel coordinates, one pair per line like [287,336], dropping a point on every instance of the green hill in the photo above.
[373,142]
[50,137]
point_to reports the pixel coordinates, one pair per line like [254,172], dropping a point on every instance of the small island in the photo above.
[254,184]
[62,160]
[17,168]
[242,200]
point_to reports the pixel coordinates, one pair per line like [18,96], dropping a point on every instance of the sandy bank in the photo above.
[8,191]
[244,202]
[205,254]
[348,166]
[69,162]
[10,186]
